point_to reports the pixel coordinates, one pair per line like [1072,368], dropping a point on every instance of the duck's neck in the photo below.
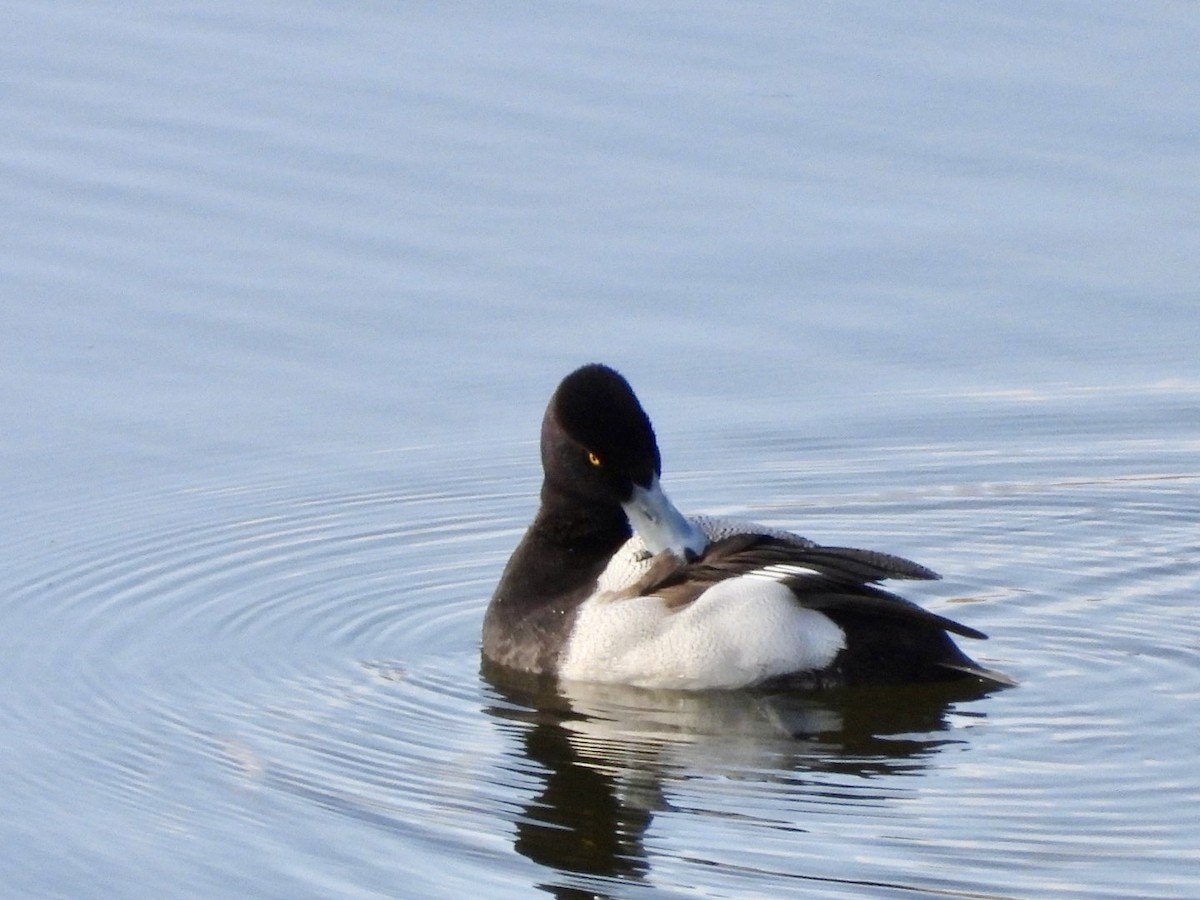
[551,572]
[579,525]
[567,546]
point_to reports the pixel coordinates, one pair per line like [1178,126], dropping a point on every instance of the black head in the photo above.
[597,442]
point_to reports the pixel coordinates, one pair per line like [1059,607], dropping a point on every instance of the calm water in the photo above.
[283,293]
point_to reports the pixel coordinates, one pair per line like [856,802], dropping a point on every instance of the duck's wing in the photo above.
[828,579]
[840,563]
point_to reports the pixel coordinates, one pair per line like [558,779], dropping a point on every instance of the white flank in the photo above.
[737,633]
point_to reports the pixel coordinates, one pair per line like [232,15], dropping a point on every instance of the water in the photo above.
[283,293]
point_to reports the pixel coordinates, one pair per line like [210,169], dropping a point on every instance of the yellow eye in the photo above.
[593,459]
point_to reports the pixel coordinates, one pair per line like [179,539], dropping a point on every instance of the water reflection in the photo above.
[606,756]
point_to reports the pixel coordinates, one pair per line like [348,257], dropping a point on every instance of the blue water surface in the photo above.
[284,290]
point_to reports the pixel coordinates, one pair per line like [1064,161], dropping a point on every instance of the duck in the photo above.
[611,583]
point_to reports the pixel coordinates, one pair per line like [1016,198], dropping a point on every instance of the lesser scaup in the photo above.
[611,583]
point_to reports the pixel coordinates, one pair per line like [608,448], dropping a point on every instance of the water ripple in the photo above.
[280,665]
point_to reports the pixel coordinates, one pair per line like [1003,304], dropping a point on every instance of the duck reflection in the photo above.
[604,752]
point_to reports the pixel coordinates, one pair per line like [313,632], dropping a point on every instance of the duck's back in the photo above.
[762,605]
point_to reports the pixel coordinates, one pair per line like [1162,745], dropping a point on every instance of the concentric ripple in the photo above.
[189,637]
[275,681]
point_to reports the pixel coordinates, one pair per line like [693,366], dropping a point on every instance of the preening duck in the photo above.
[611,583]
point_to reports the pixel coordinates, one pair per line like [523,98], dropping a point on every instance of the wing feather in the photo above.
[828,579]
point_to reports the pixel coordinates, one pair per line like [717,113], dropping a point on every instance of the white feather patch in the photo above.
[739,632]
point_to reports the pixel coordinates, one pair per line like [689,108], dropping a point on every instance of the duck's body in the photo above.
[612,584]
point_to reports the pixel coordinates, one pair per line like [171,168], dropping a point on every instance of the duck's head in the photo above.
[598,448]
